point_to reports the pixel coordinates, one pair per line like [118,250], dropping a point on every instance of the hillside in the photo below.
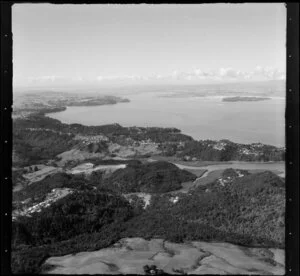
[98,217]
[156,177]
[134,199]
[246,210]
[39,138]
[239,208]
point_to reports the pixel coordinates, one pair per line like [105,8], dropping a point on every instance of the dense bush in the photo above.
[155,134]
[35,146]
[17,177]
[89,211]
[81,221]
[38,190]
[247,211]
[156,177]
[30,259]
[204,150]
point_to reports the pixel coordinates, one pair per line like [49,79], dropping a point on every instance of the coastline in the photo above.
[194,121]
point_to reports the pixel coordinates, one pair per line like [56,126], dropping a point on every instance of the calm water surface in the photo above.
[200,117]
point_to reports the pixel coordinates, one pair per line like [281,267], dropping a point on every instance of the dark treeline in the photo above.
[232,213]
[35,146]
[156,177]
[156,134]
[37,191]
[204,150]
[86,220]
[39,138]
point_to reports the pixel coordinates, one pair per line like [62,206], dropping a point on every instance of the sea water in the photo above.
[203,117]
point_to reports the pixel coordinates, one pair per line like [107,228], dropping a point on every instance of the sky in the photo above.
[71,45]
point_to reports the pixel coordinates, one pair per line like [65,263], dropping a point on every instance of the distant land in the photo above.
[245,99]
[54,101]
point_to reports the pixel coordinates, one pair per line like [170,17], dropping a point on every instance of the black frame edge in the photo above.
[292,134]
[6,136]
[292,141]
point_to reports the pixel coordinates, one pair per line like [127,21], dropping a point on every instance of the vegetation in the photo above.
[152,270]
[98,217]
[37,191]
[248,211]
[36,146]
[205,150]
[155,177]
[39,138]
[155,134]
[17,177]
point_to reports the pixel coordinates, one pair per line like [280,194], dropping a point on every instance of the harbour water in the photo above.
[200,117]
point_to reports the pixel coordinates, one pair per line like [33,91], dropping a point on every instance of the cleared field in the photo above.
[209,173]
[129,255]
[41,173]
[276,167]
[76,154]
[186,163]
[212,172]
[88,168]
[127,152]
[198,172]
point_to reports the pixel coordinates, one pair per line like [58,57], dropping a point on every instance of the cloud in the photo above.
[53,79]
[47,80]
[197,74]
[43,78]
[231,74]
[268,72]
[259,73]
[121,78]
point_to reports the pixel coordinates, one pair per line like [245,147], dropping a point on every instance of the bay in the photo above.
[201,117]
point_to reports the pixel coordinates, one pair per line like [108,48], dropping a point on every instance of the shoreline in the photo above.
[134,126]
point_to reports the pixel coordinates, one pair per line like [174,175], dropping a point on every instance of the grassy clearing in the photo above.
[186,163]
[131,254]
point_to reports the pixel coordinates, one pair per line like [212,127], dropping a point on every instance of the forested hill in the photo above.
[247,210]
[156,177]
